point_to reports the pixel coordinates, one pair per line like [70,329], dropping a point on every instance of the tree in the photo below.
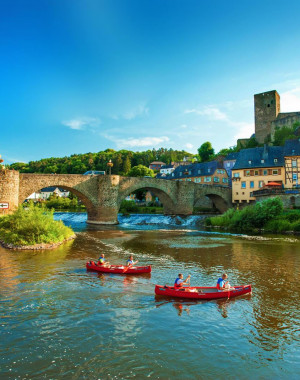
[206,151]
[141,171]
[126,165]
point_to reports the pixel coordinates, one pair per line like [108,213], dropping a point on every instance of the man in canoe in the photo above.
[130,262]
[102,261]
[179,281]
[222,284]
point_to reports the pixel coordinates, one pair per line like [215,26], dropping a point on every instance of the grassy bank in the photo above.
[32,225]
[267,215]
[130,207]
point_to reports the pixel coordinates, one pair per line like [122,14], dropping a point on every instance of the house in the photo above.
[291,152]
[48,191]
[206,173]
[228,163]
[156,165]
[255,168]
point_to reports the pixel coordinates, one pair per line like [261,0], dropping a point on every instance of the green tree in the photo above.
[126,165]
[140,171]
[206,151]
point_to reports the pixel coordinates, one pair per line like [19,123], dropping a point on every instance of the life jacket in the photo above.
[176,285]
[218,286]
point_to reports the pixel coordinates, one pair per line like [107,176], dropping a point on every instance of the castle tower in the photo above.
[266,108]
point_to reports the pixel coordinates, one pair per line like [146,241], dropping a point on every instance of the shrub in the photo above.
[32,225]
[251,217]
[278,225]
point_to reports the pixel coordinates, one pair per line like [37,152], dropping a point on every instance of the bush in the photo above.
[129,206]
[32,225]
[249,218]
[278,225]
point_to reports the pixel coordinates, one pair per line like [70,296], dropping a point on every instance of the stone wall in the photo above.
[9,190]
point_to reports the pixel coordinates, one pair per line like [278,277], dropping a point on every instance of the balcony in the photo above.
[275,191]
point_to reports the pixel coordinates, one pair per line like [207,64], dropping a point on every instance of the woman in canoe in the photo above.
[130,262]
[179,281]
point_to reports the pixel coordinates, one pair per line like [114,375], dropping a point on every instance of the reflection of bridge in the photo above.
[102,195]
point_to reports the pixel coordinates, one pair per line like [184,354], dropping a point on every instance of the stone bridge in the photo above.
[102,194]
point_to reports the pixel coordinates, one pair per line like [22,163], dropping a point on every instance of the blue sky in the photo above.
[85,75]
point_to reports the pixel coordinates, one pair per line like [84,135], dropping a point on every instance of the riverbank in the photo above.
[267,216]
[35,247]
[33,227]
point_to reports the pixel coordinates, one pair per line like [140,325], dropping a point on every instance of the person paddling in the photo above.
[130,261]
[179,281]
[102,261]
[222,284]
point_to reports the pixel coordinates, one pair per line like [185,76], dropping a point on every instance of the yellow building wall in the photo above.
[240,194]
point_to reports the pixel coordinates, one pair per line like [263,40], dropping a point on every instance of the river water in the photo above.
[59,321]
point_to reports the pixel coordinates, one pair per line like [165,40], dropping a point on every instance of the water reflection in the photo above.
[79,319]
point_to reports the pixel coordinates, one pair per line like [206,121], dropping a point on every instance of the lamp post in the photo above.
[110,165]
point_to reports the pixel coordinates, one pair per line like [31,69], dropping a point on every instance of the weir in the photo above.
[102,195]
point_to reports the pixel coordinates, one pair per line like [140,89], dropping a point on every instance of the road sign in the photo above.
[4,205]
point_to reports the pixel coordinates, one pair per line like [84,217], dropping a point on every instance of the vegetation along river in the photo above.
[59,321]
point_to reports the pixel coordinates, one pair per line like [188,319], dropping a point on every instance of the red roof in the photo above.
[273,184]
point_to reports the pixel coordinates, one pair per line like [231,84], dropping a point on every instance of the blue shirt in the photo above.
[178,281]
[102,260]
[221,282]
[130,262]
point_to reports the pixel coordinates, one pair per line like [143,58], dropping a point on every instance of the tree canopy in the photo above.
[140,171]
[206,151]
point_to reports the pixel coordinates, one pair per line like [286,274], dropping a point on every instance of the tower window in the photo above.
[268,105]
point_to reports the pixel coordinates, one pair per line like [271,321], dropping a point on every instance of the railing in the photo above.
[275,191]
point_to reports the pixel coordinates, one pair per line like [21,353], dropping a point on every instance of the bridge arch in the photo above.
[156,187]
[220,197]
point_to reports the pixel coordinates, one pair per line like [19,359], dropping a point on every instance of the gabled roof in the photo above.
[196,170]
[292,148]
[167,166]
[50,189]
[252,158]
[157,163]
[231,156]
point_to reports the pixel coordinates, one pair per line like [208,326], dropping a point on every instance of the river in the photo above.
[59,321]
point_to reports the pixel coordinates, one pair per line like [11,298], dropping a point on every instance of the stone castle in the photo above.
[268,116]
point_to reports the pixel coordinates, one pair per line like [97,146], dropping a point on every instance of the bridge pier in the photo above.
[103,215]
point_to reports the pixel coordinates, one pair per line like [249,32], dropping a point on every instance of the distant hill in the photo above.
[123,161]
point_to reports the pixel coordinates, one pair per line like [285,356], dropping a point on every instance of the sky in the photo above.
[86,75]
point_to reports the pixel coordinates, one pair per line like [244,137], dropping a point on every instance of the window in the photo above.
[236,175]
[216,179]
[256,172]
[207,179]
[262,161]
[190,172]
[189,179]
[251,194]
[260,183]
[247,173]
[228,164]
[275,172]
[237,193]
[180,174]
[275,160]
[172,174]
[243,185]
[294,163]
[199,171]
[294,176]
[250,162]
[265,172]
[225,180]
[208,170]
[251,184]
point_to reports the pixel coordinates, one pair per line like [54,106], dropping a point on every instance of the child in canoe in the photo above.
[222,284]
[130,262]
[102,261]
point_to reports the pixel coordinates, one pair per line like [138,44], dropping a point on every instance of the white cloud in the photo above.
[245,130]
[212,112]
[290,100]
[81,123]
[183,126]
[140,142]
[189,146]
[140,110]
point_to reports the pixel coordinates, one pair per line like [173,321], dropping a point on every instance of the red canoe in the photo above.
[201,292]
[118,269]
